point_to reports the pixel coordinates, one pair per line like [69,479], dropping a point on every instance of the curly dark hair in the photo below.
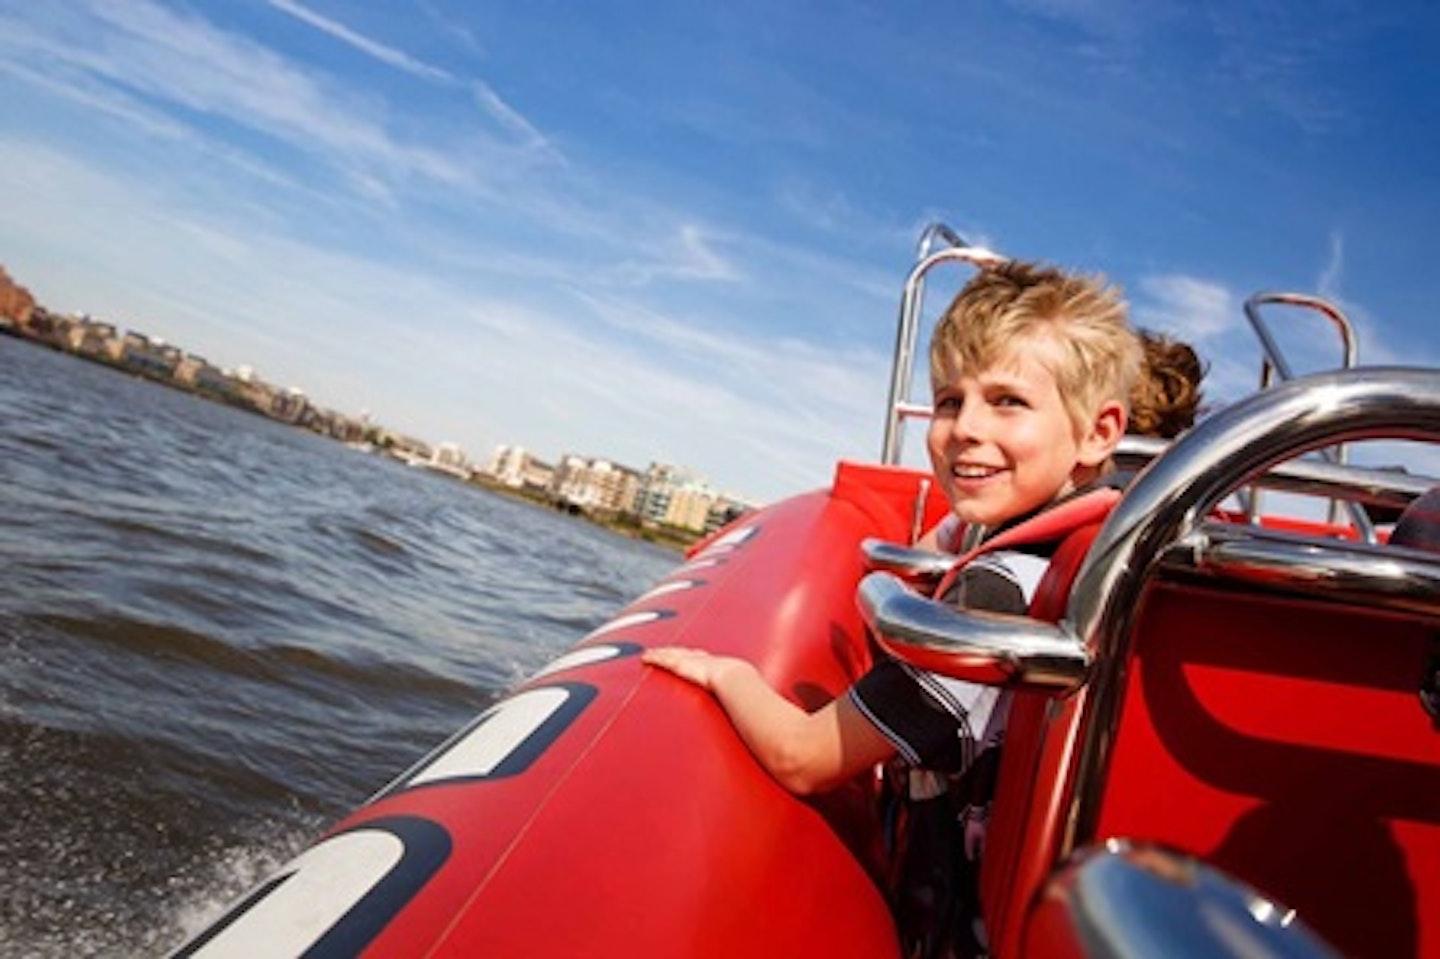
[1167,395]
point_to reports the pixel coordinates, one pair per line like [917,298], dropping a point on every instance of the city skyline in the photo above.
[680,234]
[661,495]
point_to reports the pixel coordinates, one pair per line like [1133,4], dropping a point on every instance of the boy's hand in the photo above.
[975,827]
[693,665]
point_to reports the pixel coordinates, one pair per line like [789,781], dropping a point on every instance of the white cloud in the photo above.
[369,47]
[688,253]
[1197,310]
[187,74]
[510,118]
[1334,268]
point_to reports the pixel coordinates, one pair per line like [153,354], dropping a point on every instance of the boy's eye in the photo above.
[947,404]
[1010,399]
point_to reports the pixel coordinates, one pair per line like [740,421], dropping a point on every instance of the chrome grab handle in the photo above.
[1137,899]
[1392,578]
[1274,358]
[990,648]
[923,568]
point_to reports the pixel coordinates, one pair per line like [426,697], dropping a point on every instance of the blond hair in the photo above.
[1084,316]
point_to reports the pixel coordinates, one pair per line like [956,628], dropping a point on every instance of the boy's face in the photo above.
[1002,442]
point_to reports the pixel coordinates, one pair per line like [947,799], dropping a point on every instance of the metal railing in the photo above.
[899,406]
[1275,363]
[1137,899]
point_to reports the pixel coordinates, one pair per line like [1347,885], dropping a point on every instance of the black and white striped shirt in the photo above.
[940,723]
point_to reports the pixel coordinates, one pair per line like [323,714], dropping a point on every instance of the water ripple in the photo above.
[220,633]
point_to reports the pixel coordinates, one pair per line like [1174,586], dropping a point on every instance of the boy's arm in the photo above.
[805,752]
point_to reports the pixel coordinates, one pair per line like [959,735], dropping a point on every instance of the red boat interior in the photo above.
[1253,704]
[1225,737]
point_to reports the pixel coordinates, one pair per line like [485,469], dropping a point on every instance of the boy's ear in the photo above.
[1106,429]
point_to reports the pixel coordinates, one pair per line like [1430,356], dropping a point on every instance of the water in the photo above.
[219,634]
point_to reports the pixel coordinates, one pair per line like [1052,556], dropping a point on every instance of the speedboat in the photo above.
[1225,732]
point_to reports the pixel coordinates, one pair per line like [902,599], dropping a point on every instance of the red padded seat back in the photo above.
[1283,740]
[1026,813]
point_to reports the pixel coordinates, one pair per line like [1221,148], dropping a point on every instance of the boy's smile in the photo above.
[1002,441]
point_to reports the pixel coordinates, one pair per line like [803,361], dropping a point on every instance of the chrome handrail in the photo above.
[1275,362]
[1274,358]
[936,231]
[1171,498]
[899,406]
[993,649]
[1366,485]
[921,567]
[1139,899]
[1392,578]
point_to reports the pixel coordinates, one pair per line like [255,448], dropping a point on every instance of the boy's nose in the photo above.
[969,423]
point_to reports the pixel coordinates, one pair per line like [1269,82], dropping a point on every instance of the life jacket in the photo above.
[1051,525]
[934,887]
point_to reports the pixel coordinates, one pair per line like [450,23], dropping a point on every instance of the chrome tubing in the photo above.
[1390,578]
[1366,485]
[1275,361]
[1170,499]
[989,648]
[1138,899]
[1274,358]
[936,231]
[898,407]
[921,567]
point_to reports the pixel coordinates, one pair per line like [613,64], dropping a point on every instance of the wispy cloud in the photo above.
[492,104]
[1208,316]
[458,32]
[367,46]
[185,73]
[688,253]
[1334,269]
[174,60]
[1196,309]
[1371,345]
[1281,58]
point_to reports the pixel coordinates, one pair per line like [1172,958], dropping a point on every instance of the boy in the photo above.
[1164,402]
[1030,368]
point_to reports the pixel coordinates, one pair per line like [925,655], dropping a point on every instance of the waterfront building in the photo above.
[593,485]
[203,377]
[153,358]
[689,506]
[519,469]
[449,458]
[507,466]
[93,339]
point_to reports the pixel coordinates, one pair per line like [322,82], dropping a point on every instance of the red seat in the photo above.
[1029,796]
[1283,740]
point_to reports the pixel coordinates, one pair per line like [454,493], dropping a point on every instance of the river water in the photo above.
[219,634]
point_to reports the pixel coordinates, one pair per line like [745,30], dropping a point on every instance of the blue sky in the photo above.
[678,232]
